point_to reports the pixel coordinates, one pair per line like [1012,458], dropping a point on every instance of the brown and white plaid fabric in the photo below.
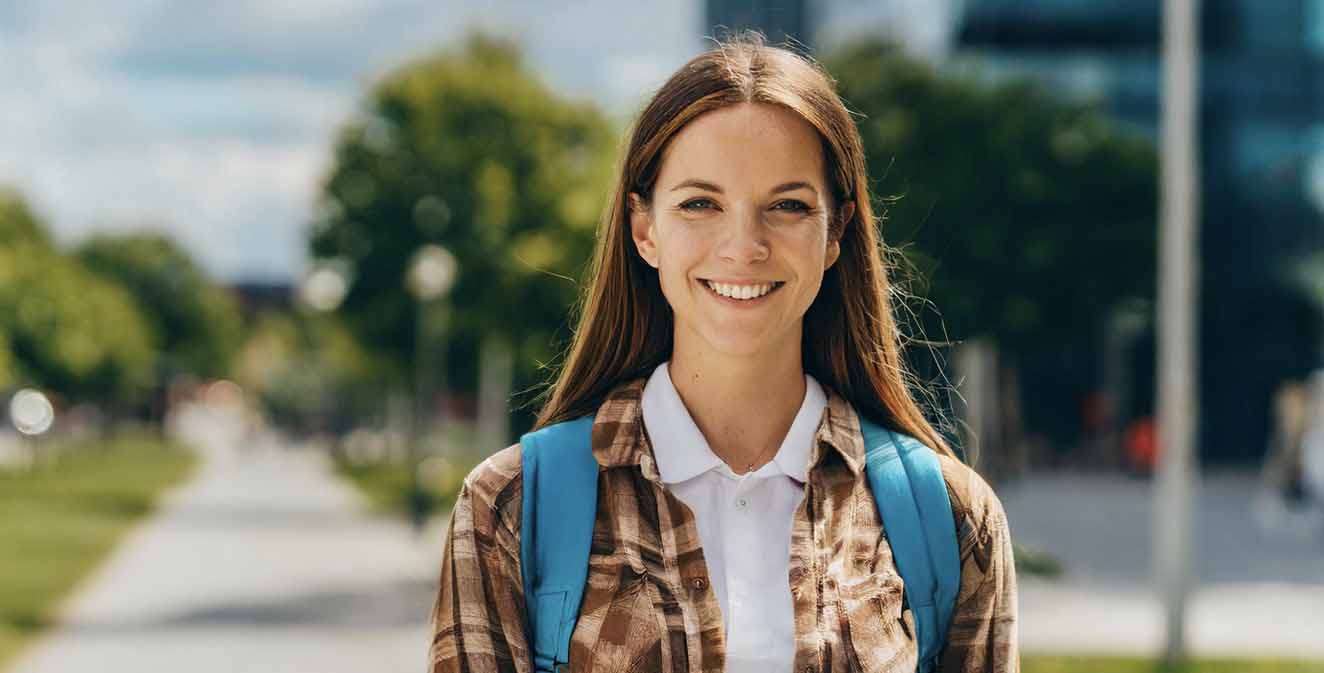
[649,605]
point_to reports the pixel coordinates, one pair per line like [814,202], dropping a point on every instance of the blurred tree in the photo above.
[71,331]
[8,367]
[467,150]
[309,370]
[1026,221]
[1029,218]
[17,222]
[196,323]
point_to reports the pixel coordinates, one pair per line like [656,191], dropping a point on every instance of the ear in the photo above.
[834,244]
[641,230]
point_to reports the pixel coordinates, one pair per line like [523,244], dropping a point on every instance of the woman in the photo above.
[736,328]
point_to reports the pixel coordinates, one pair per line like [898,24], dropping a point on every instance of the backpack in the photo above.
[560,483]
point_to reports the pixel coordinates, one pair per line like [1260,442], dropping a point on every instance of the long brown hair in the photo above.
[850,343]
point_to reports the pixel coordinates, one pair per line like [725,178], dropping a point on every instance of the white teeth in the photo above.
[741,291]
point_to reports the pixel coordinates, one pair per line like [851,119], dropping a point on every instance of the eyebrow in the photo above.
[710,187]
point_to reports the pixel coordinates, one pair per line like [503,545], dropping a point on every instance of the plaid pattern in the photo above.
[648,605]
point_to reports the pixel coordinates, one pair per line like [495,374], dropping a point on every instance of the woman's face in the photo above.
[738,228]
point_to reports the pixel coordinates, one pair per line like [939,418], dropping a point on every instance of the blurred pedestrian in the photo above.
[1312,444]
[735,351]
[1292,479]
[1283,466]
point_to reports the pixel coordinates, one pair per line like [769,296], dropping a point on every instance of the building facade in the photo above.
[1262,172]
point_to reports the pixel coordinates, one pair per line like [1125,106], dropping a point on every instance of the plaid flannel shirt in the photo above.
[648,604]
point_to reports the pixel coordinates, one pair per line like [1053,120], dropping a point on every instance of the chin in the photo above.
[737,342]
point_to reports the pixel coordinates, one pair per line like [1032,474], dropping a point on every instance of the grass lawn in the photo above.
[57,522]
[1096,664]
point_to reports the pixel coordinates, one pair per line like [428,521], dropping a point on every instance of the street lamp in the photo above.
[324,287]
[32,414]
[430,278]
[321,291]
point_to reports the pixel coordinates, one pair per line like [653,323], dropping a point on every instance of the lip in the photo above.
[741,281]
[740,303]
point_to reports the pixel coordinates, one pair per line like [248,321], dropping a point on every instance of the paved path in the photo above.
[1260,580]
[1224,620]
[265,562]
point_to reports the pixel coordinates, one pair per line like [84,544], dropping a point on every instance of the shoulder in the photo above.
[492,491]
[976,508]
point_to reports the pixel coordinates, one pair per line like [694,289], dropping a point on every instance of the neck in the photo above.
[743,405]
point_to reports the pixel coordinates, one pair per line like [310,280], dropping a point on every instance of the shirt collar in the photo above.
[826,423]
[680,448]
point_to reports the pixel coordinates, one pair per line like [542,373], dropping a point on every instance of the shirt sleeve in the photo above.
[983,634]
[478,619]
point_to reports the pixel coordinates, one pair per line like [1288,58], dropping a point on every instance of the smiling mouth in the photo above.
[742,293]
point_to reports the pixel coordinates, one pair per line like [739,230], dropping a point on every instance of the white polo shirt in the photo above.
[744,520]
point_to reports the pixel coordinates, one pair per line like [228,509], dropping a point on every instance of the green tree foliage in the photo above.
[1029,218]
[17,225]
[467,150]
[70,330]
[8,367]
[17,222]
[306,367]
[196,324]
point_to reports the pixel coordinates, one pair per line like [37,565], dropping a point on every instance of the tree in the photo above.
[466,150]
[1028,221]
[308,370]
[72,331]
[1028,217]
[195,323]
[8,367]
[18,224]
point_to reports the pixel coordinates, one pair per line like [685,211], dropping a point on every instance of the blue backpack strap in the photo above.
[560,500]
[911,494]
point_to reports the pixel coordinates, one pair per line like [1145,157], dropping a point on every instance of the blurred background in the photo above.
[274,276]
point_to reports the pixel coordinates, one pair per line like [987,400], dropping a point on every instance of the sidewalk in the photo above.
[265,562]
[1258,591]
[1223,620]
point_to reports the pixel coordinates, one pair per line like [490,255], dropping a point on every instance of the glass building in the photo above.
[777,19]
[1262,163]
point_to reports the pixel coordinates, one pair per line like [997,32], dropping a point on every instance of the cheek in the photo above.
[676,258]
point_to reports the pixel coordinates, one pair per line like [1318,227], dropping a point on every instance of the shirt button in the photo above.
[699,583]
[742,503]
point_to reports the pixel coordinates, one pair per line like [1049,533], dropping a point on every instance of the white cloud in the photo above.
[213,120]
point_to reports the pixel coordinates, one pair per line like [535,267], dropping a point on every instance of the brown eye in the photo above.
[696,204]
[794,206]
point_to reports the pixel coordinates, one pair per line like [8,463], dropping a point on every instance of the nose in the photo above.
[746,240]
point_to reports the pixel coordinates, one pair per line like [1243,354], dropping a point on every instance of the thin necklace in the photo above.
[750,467]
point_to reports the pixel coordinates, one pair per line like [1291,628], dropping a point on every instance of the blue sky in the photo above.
[213,120]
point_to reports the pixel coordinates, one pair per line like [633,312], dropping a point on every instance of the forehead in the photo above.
[751,145]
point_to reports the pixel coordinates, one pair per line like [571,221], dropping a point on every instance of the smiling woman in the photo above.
[730,473]
[760,215]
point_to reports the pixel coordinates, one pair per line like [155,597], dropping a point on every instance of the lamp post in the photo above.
[321,291]
[431,276]
[32,414]
[1178,297]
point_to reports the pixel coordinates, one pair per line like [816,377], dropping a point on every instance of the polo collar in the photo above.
[621,440]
